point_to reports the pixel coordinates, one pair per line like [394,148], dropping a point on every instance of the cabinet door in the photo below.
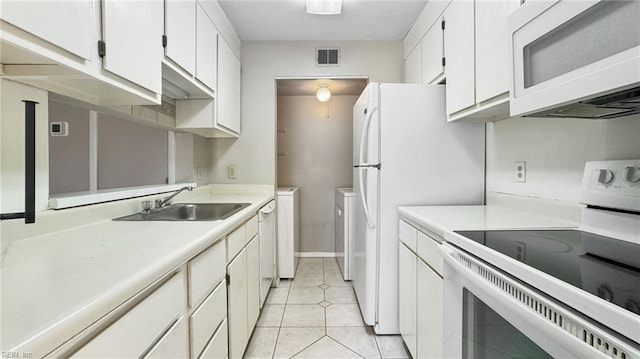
[492,47]
[237,305]
[180,29]
[407,296]
[174,344]
[253,283]
[429,312]
[412,66]
[206,49]
[228,94]
[459,53]
[66,24]
[432,53]
[132,31]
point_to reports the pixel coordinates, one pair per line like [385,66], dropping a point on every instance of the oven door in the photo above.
[490,315]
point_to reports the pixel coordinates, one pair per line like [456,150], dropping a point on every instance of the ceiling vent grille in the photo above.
[328,57]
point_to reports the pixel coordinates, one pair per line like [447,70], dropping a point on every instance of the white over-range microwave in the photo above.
[576,58]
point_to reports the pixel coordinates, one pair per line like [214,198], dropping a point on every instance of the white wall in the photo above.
[12,146]
[262,62]
[555,151]
[318,159]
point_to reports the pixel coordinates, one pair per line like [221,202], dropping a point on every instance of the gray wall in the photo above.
[130,154]
[264,61]
[69,155]
[318,159]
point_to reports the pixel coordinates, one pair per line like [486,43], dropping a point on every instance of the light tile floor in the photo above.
[316,315]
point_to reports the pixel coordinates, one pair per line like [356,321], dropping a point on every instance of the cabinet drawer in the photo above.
[174,344]
[207,317]
[148,321]
[206,271]
[217,347]
[407,235]
[428,252]
[235,242]
[251,228]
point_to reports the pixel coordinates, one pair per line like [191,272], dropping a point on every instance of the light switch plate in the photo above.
[231,171]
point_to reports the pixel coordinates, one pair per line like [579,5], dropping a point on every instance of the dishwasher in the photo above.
[267,232]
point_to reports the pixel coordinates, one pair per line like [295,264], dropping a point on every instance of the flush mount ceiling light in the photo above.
[324,7]
[323,94]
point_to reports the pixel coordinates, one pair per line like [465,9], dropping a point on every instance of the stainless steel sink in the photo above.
[188,212]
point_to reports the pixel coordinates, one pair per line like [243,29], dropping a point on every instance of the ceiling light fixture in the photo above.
[324,7]
[323,94]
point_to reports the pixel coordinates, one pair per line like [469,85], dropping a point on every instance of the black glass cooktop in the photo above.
[603,266]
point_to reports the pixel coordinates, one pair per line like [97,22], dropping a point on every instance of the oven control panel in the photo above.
[612,184]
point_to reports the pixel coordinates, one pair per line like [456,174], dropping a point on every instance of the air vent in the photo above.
[545,309]
[328,57]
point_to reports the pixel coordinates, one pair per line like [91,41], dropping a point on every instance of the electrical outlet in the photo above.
[231,171]
[199,173]
[521,171]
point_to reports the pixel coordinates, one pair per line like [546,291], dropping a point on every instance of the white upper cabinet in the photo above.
[180,32]
[492,48]
[459,55]
[228,95]
[206,49]
[65,24]
[432,54]
[466,43]
[412,66]
[477,59]
[132,32]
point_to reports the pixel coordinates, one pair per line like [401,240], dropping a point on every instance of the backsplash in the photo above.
[555,151]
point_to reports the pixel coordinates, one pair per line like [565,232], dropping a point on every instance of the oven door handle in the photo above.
[561,331]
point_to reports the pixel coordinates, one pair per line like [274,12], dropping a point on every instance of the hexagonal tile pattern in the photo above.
[316,315]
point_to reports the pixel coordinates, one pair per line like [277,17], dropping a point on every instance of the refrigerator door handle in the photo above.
[363,199]
[363,135]
[365,131]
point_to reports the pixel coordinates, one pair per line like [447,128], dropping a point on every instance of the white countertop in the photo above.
[64,281]
[442,219]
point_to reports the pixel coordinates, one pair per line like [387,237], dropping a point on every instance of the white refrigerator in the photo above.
[404,153]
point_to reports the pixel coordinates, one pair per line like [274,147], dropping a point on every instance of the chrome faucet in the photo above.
[167,201]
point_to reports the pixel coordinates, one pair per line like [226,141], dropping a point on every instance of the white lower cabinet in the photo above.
[420,293]
[407,294]
[149,320]
[217,347]
[429,312]
[237,305]
[174,344]
[243,273]
[253,283]
[204,320]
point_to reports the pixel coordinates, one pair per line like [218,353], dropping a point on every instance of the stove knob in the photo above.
[605,176]
[632,174]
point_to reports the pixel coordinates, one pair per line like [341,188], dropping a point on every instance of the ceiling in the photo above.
[309,87]
[264,20]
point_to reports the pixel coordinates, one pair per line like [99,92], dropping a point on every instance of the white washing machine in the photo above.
[287,208]
[345,228]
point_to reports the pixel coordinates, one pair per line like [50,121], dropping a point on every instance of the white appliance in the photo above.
[575,59]
[288,204]
[267,232]
[551,293]
[405,153]
[345,228]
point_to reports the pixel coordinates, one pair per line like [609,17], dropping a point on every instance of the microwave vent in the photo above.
[613,105]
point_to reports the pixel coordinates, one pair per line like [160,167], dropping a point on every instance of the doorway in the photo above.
[314,146]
